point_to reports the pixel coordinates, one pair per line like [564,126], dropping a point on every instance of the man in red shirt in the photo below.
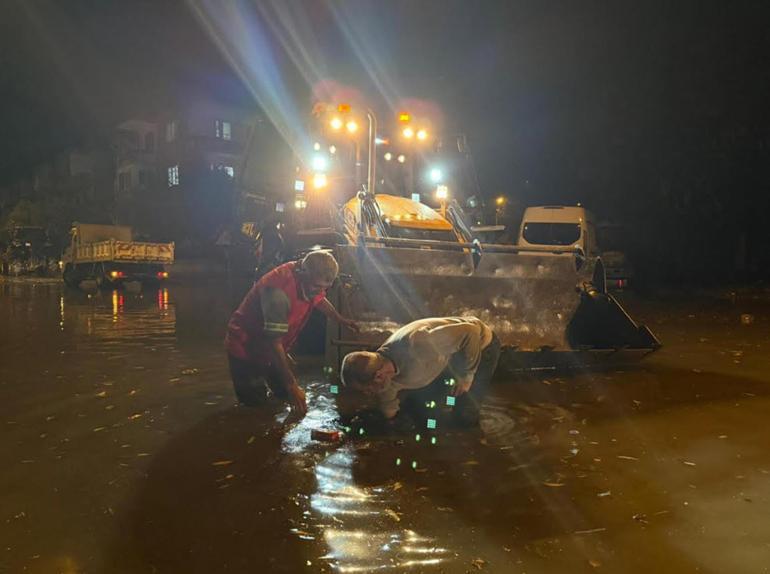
[267,323]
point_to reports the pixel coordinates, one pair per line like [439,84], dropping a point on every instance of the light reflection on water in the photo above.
[354,521]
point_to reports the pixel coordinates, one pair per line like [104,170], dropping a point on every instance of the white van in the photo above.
[559,225]
[571,226]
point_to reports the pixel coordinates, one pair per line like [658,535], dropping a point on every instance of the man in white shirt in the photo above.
[433,359]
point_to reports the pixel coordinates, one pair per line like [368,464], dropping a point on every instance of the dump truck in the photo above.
[400,260]
[109,255]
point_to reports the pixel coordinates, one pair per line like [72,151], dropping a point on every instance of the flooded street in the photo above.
[123,451]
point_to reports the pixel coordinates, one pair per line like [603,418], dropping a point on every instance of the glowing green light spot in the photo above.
[433,440]
[452,382]
[360,431]
[431,423]
[417,437]
[414,464]
[450,401]
[334,389]
[398,462]
[433,404]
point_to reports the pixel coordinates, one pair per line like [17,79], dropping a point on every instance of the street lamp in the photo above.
[408,133]
[351,126]
[436,175]
[422,135]
[500,202]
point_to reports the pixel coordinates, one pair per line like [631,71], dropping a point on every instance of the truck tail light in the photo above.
[117,274]
[162,274]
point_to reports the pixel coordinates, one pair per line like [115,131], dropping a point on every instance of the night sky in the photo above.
[628,106]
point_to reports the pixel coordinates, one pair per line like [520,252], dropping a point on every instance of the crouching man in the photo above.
[267,323]
[414,363]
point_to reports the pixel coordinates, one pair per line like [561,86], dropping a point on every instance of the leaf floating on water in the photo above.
[135,416]
[102,394]
[252,438]
[222,463]
[591,531]
[393,514]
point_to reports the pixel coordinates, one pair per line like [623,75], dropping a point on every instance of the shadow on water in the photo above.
[219,497]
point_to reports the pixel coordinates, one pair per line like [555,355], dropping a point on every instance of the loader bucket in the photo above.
[535,302]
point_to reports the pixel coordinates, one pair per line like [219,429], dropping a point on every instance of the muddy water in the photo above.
[122,451]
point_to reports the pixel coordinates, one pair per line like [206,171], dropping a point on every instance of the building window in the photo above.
[223,130]
[226,169]
[124,181]
[149,142]
[173,176]
[171,131]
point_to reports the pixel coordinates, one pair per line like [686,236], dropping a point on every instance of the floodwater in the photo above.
[123,451]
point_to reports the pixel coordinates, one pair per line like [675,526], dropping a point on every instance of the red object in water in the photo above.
[325,435]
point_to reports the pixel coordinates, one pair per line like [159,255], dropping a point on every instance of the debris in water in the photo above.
[625,457]
[325,435]
[553,484]
[688,463]
[478,563]
[222,463]
[747,319]
[603,494]
[591,531]
[594,563]
[393,514]
[190,371]
[641,518]
[102,394]
[252,438]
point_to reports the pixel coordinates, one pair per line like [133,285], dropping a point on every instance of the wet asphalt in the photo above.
[123,450]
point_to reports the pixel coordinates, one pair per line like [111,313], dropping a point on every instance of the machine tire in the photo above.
[70,276]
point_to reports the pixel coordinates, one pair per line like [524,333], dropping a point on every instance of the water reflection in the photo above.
[349,517]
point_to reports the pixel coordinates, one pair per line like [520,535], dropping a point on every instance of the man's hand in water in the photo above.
[297,399]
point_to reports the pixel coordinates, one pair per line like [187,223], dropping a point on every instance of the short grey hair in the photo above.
[320,264]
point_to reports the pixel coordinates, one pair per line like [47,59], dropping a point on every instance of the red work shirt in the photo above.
[249,336]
